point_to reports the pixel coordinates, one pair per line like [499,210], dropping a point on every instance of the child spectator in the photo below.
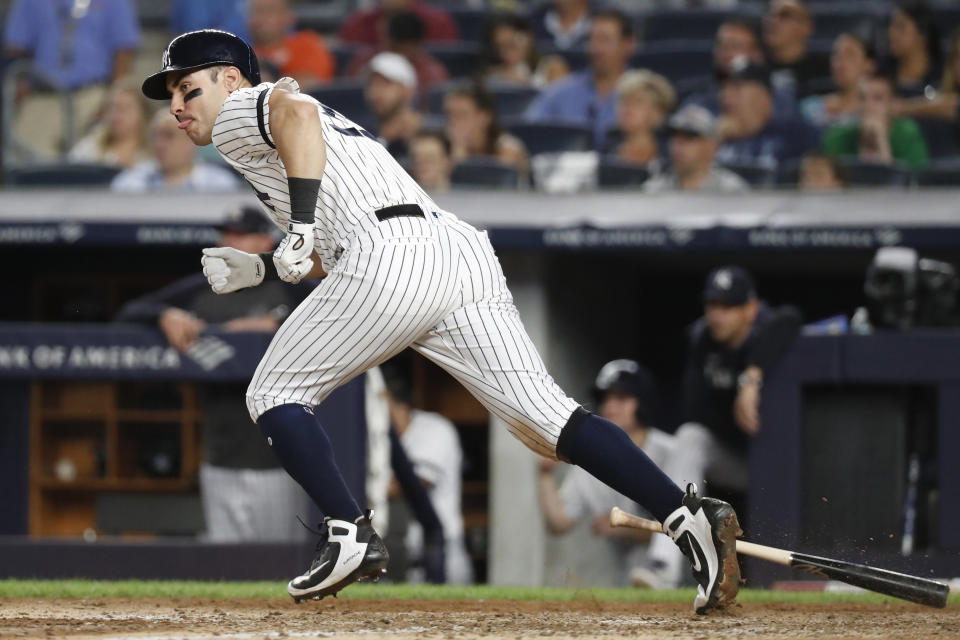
[820,172]
[431,160]
[644,99]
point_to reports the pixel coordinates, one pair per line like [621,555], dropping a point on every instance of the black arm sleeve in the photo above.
[773,337]
[147,309]
[694,391]
[416,496]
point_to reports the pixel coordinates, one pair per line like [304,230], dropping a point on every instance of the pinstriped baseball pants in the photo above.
[431,284]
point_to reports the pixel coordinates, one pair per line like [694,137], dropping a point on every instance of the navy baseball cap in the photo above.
[629,377]
[198,49]
[730,285]
[245,218]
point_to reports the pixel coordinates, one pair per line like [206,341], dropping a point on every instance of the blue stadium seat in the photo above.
[871,174]
[832,19]
[484,172]
[343,53]
[677,60]
[940,136]
[471,22]
[756,175]
[63,175]
[461,59]
[695,24]
[613,172]
[512,101]
[942,172]
[546,137]
[345,96]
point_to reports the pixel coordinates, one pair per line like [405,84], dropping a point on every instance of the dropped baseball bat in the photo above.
[899,585]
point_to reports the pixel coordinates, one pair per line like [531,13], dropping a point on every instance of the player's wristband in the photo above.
[269,269]
[303,198]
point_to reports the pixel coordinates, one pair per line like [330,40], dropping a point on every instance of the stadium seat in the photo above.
[940,136]
[547,137]
[676,24]
[62,175]
[613,172]
[677,60]
[512,101]
[345,96]
[471,22]
[484,172]
[942,172]
[871,174]
[461,59]
[758,176]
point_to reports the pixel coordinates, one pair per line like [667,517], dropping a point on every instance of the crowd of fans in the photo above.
[786,94]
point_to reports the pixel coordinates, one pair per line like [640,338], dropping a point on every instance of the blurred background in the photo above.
[638,165]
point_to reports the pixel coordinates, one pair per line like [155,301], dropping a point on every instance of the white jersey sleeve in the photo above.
[360,177]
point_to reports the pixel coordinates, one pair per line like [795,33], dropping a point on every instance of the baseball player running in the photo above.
[400,272]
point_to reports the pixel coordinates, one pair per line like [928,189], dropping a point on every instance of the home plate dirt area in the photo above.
[104,618]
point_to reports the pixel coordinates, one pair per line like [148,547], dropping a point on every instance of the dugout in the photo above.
[595,276]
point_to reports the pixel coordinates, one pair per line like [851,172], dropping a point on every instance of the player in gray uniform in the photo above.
[400,272]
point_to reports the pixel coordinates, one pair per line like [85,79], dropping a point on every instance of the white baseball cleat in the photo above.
[346,553]
[706,530]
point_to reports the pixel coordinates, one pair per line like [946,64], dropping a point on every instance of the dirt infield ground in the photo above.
[103,619]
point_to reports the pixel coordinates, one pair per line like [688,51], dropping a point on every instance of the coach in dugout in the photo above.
[733,347]
[246,495]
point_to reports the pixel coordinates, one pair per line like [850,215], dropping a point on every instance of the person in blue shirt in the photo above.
[749,132]
[75,46]
[226,15]
[588,97]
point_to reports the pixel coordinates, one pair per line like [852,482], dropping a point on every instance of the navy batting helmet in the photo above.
[198,49]
[632,378]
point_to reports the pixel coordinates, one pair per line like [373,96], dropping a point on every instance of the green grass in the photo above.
[264,590]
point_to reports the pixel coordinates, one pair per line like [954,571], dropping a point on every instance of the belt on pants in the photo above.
[399,211]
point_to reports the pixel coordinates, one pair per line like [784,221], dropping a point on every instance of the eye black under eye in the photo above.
[193,94]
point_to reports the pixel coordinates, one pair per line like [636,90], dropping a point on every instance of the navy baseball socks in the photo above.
[705,529]
[349,548]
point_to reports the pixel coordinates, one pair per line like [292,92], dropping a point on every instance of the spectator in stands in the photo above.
[390,93]
[644,99]
[173,167]
[76,47]
[246,495]
[914,43]
[852,58]
[433,446]
[562,24]
[945,104]
[749,133]
[121,138]
[877,135]
[509,54]
[737,38]
[431,160]
[405,36]
[787,28]
[370,26]
[550,70]
[733,349]
[625,393]
[588,97]
[693,145]
[820,172]
[226,15]
[301,55]
[474,129]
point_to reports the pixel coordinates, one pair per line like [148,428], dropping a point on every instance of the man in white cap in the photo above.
[693,145]
[391,90]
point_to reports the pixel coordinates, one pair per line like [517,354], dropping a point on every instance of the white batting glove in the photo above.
[292,255]
[230,269]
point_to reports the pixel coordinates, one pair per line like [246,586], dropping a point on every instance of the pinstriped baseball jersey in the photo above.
[360,175]
[424,280]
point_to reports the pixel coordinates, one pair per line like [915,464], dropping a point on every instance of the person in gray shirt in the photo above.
[693,145]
